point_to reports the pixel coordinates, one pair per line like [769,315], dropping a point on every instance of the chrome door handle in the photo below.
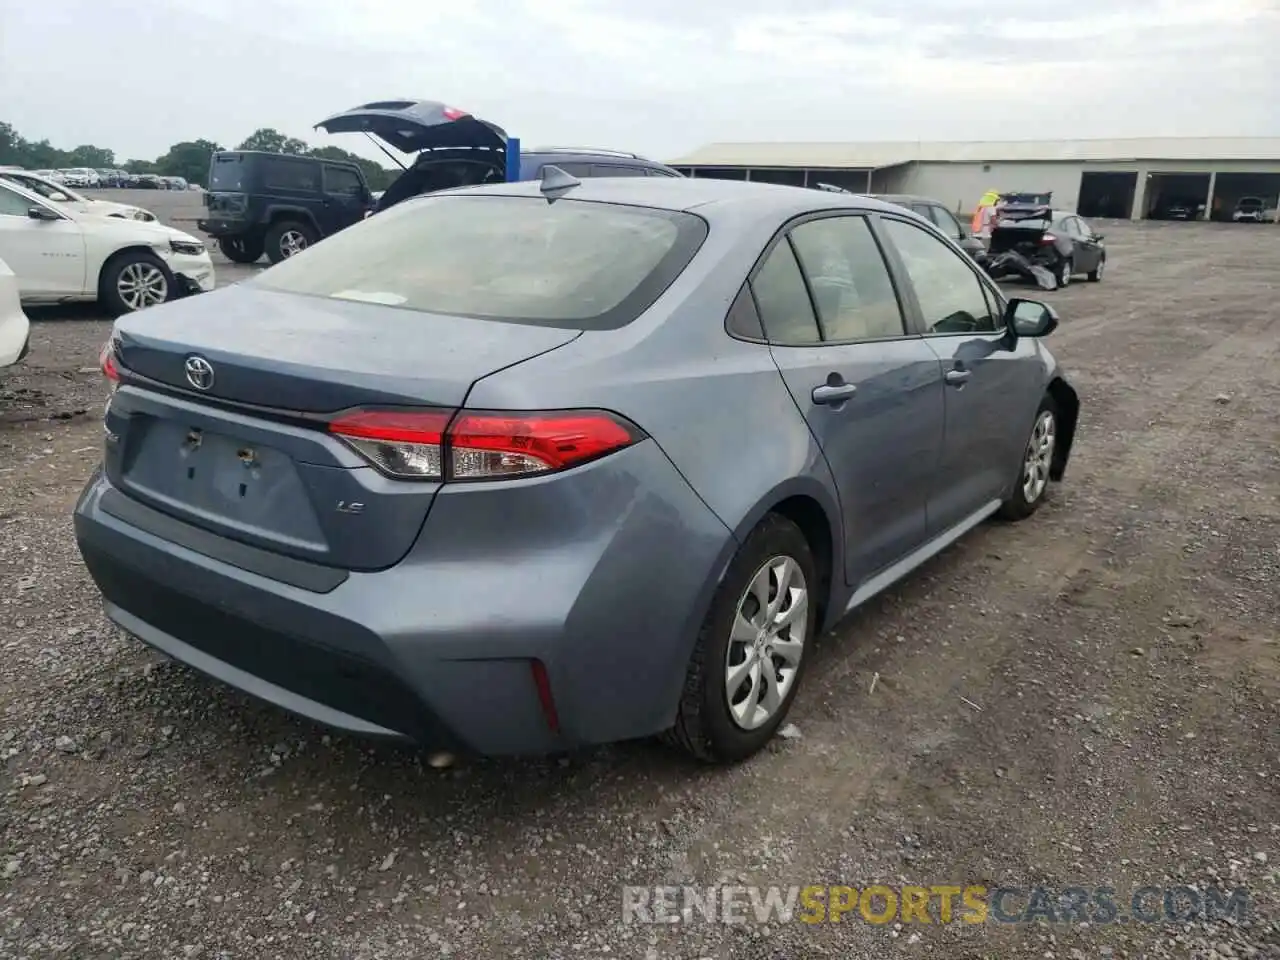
[831,394]
[957,378]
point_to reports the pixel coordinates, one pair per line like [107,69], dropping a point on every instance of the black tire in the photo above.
[1096,274]
[1063,273]
[704,726]
[280,232]
[241,249]
[140,263]
[1018,506]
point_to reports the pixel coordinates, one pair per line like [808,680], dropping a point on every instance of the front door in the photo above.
[989,385]
[871,393]
[47,256]
[1088,251]
[344,198]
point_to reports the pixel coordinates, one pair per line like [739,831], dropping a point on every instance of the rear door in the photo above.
[990,388]
[870,392]
[344,197]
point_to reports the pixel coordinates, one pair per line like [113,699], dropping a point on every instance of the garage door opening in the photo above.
[1107,195]
[1231,188]
[1176,196]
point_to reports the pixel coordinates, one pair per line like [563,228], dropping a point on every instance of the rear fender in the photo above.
[784,499]
[278,212]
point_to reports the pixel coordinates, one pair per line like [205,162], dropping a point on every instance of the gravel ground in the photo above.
[1089,698]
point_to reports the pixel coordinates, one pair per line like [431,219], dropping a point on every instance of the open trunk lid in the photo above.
[235,441]
[414,125]
[1020,227]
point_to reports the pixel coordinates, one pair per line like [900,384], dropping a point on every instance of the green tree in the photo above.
[189,160]
[86,155]
[273,141]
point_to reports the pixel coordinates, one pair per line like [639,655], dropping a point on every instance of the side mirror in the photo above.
[42,213]
[1099,236]
[1030,318]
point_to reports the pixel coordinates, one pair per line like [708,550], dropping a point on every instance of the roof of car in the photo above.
[904,198]
[688,193]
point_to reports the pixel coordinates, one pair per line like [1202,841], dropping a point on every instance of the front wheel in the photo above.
[1037,462]
[1096,273]
[288,238]
[752,648]
[134,280]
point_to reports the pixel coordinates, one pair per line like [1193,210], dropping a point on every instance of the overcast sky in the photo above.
[658,76]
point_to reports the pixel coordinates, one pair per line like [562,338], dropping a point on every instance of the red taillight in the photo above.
[481,445]
[107,361]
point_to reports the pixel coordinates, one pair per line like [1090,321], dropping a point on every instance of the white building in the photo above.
[1134,178]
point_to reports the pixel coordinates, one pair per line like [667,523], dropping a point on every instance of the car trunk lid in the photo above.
[221,416]
[414,125]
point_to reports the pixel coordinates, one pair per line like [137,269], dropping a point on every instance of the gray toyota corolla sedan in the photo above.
[516,468]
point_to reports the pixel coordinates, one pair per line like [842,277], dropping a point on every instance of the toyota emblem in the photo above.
[199,373]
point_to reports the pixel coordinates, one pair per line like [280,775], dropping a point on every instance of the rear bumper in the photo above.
[223,227]
[440,649]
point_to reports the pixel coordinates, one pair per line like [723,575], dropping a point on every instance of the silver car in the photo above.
[517,468]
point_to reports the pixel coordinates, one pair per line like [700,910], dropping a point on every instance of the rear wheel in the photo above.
[1096,274]
[241,249]
[1064,272]
[752,648]
[286,238]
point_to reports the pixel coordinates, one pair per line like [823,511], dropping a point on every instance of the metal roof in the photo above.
[876,155]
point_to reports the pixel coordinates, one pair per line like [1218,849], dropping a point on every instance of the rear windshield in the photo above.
[570,263]
[226,173]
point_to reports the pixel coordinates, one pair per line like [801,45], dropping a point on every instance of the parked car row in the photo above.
[98,179]
[61,193]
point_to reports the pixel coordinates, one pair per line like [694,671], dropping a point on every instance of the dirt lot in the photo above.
[1089,698]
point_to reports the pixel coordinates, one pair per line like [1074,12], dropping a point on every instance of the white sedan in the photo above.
[60,254]
[61,193]
[14,328]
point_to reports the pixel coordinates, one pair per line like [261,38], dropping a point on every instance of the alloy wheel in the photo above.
[1039,458]
[142,285]
[766,642]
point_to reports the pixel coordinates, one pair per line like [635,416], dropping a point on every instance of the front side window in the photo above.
[342,181]
[573,263]
[13,204]
[952,298]
[851,286]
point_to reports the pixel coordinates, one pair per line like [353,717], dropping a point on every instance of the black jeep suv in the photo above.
[279,203]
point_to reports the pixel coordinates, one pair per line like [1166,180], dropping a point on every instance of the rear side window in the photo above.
[280,174]
[572,263]
[784,305]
